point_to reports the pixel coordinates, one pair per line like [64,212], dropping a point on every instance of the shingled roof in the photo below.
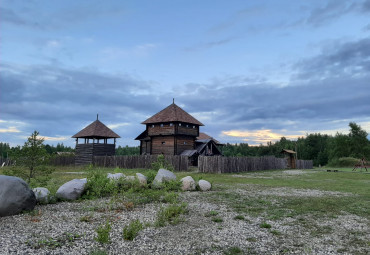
[96,129]
[172,113]
[204,136]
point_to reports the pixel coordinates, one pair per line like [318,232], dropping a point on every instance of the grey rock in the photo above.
[130,178]
[162,176]
[204,185]
[115,176]
[142,178]
[188,183]
[15,196]
[42,195]
[71,190]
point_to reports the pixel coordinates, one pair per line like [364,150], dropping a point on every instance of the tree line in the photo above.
[321,148]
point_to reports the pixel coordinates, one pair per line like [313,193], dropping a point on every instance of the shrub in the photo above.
[131,231]
[99,185]
[103,233]
[162,163]
[170,214]
[150,175]
[344,162]
[172,185]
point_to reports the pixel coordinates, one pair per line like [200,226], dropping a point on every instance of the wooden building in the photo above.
[92,141]
[169,132]
[291,157]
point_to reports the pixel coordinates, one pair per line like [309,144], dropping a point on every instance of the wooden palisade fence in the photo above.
[180,163]
[219,164]
[62,160]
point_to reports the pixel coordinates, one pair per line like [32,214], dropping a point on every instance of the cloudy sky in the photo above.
[251,71]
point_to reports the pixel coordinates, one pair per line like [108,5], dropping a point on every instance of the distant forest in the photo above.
[322,149]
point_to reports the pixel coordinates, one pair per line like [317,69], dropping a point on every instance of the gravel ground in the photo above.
[196,234]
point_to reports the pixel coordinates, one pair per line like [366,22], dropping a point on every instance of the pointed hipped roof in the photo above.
[172,113]
[96,129]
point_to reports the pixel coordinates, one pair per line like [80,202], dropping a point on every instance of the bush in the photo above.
[344,162]
[131,231]
[99,185]
[150,175]
[103,233]
[162,163]
[170,214]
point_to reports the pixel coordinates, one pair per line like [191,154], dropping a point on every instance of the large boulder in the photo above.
[162,176]
[204,185]
[142,178]
[188,183]
[42,195]
[72,190]
[15,196]
[115,176]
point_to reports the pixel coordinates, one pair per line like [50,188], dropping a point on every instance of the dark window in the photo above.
[161,125]
[187,125]
[171,124]
[193,126]
[184,142]
[152,126]
[163,142]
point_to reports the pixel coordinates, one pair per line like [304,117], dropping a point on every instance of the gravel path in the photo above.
[196,234]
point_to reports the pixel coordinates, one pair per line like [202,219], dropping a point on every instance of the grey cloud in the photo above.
[58,101]
[366,6]
[329,11]
[351,58]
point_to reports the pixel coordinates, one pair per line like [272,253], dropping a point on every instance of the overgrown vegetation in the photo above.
[170,214]
[103,233]
[131,230]
[162,163]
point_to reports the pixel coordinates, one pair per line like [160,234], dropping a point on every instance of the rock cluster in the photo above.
[16,196]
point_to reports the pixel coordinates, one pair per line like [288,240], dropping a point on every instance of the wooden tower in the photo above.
[94,139]
[169,132]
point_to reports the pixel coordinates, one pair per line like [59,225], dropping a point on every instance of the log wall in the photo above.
[85,152]
[179,163]
[220,164]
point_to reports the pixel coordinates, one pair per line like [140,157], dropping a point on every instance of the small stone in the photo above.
[188,183]
[204,185]
[115,176]
[42,195]
[71,190]
[163,175]
[142,178]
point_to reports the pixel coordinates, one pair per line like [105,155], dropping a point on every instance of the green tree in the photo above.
[33,156]
[358,142]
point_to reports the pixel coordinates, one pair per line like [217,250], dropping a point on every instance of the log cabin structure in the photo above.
[92,141]
[291,158]
[169,132]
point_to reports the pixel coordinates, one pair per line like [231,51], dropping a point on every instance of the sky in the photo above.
[250,71]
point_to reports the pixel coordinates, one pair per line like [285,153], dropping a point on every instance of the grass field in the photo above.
[296,209]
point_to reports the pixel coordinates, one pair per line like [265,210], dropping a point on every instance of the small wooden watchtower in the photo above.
[95,142]
[290,156]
